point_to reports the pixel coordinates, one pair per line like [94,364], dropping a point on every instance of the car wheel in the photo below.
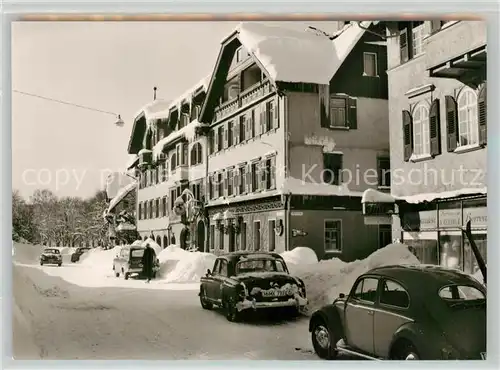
[204,301]
[117,273]
[230,310]
[323,341]
[126,275]
[405,350]
[41,263]
[59,264]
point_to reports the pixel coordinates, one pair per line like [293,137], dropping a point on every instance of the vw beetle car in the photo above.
[242,281]
[129,261]
[75,257]
[51,256]
[400,312]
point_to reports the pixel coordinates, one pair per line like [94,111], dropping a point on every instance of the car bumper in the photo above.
[246,304]
[135,270]
[52,261]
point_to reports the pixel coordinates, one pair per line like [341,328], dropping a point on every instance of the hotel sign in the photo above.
[450,218]
[423,220]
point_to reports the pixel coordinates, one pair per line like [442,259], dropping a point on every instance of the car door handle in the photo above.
[370,312]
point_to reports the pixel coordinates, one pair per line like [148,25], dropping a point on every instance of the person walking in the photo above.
[148,259]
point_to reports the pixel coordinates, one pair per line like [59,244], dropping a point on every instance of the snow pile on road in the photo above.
[326,279]
[100,259]
[153,245]
[67,250]
[180,266]
[300,255]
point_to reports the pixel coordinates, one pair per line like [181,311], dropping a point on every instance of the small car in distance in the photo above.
[75,257]
[403,312]
[242,281]
[51,256]
[129,261]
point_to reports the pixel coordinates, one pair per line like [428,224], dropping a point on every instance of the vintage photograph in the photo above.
[249,190]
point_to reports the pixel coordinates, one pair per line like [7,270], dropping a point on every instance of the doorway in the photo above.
[232,239]
[200,236]
[384,235]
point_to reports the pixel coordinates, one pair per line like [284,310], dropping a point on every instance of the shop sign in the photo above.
[450,218]
[296,213]
[420,220]
[478,216]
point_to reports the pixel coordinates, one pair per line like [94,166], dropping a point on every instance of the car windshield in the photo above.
[51,251]
[259,265]
[137,252]
[458,294]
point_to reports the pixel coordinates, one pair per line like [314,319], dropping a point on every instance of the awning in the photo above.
[472,61]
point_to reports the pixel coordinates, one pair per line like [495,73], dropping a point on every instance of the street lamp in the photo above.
[119,121]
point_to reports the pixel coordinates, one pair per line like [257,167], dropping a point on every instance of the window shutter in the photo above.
[324,105]
[225,136]
[216,141]
[276,114]
[407,135]
[352,113]
[216,185]
[482,119]
[226,181]
[236,132]
[403,46]
[435,26]
[262,175]
[251,124]
[236,181]
[451,123]
[435,128]
[262,120]
[248,182]
[273,172]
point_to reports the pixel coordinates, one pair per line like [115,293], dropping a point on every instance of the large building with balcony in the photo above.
[298,129]
[438,141]
[170,148]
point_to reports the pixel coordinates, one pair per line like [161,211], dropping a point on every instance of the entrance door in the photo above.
[384,235]
[200,236]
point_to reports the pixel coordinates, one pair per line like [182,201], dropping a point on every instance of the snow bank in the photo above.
[100,259]
[67,250]
[326,279]
[299,187]
[300,256]
[158,249]
[180,266]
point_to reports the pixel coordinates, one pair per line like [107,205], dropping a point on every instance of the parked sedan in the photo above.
[75,257]
[129,261]
[403,312]
[51,256]
[242,281]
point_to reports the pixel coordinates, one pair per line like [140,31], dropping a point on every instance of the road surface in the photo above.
[53,319]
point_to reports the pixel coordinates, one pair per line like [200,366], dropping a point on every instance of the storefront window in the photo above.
[450,248]
[470,262]
[423,245]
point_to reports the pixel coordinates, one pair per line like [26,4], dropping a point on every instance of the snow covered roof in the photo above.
[374,196]
[187,94]
[299,187]
[429,197]
[316,58]
[122,193]
[187,131]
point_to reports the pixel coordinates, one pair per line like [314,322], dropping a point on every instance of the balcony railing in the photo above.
[181,173]
[246,97]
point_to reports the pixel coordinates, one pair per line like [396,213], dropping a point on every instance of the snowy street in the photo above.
[64,321]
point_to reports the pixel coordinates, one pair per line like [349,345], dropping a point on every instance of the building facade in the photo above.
[438,141]
[170,165]
[290,142]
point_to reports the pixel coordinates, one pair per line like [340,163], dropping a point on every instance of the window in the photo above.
[216,267]
[332,168]
[221,240]
[220,138]
[470,261]
[157,206]
[271,173]
[370,64]
[220,184]
[164,200]
[256,235]
[223,268]
[421,138]
[393,294]
[272,235]
[173,162]
[243,236]
[366,290]
[140,211]
[229,182]
[384,171]
[468,130]
[242,124]
[270,114]
[333,236]
[151,209]
[424,246]
[242,180]
[172,198]
[230,133]
[212,237]
[462,293]
[338,116]
[251,125]
[450,248]
[254,176]
[196,154]
[419,32]
[145,210]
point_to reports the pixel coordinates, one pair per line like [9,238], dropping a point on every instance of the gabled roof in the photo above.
[286,53]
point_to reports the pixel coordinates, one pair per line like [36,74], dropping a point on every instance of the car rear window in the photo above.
[51,251]
[461,293]
[137,252]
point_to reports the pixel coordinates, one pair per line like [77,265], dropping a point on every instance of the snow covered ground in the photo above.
[326,279]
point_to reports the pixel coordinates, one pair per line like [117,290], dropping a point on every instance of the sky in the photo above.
[110,66]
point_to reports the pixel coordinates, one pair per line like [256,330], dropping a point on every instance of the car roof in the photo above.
[424,275]
[250,255]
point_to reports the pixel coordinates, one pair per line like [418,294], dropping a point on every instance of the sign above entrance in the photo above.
[378,209]
[478,216]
